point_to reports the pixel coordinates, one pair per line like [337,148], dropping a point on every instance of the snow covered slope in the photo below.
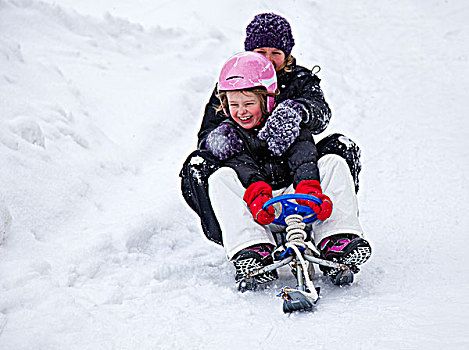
[99,106]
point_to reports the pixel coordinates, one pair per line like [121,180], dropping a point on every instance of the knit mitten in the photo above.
[283,127]
[223,142]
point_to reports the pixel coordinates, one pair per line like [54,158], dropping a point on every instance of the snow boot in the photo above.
[251,258]
[348,249]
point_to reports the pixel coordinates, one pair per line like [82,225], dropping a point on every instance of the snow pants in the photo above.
[239,230]
[201,164]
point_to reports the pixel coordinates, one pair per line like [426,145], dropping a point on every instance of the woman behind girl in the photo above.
[300,96]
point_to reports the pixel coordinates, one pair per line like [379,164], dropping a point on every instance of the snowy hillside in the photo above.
[100,105]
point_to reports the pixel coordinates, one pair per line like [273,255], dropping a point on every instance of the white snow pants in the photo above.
[239,230]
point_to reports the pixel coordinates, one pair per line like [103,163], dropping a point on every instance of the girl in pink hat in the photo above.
[252,171]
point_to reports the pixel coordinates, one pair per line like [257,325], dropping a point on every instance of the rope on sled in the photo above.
[296,236]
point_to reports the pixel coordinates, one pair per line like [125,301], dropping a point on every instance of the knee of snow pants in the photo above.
[194,186]
[238,226]
[345,148]
[337,183]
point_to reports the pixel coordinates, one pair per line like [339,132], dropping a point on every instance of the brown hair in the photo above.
[260,92]
[286,66]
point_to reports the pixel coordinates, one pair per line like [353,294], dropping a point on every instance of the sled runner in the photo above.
[297,250]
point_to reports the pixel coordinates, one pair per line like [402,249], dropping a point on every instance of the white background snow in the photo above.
[100,102]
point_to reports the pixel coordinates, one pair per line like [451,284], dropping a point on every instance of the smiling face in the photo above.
[276,56]
[245,108]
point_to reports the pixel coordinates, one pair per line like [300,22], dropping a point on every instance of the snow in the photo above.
[100,103]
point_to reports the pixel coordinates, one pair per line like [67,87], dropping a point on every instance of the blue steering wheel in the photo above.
[288,207]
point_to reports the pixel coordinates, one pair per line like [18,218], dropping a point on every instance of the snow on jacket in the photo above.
[256,162]
[300,85]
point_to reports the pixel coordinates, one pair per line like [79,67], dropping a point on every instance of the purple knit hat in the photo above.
[269,30]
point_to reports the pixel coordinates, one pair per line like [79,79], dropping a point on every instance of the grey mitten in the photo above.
[283,127]
[223,142]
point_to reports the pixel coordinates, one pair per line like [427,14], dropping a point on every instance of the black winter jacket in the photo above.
[257,163]
[300,85]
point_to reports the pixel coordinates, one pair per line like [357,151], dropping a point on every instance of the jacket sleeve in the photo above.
[242,161]
[308,93]
[211,119]
[303,157]
[246,168]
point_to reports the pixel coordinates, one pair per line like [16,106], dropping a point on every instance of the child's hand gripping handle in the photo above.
[313,187]
[255,196]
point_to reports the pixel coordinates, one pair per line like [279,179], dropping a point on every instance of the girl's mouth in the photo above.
[244,119]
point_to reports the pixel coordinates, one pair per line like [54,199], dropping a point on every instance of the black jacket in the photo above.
[300,85]
[257,163]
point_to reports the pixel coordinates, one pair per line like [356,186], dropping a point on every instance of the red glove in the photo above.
[313,187]
[255,196]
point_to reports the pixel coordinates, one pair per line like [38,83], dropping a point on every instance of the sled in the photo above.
[297,250]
